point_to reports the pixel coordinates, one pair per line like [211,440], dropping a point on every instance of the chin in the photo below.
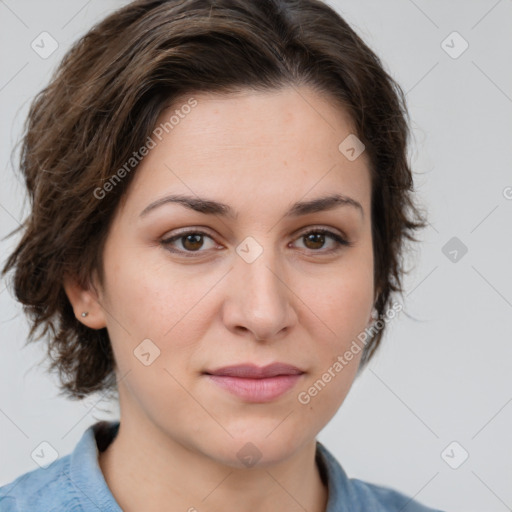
[256,449]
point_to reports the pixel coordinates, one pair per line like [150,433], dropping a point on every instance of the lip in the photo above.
[256,383]
[252,371]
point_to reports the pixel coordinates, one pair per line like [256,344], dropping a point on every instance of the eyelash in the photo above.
[340,241]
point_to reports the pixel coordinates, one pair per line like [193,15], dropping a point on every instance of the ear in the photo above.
[85,300]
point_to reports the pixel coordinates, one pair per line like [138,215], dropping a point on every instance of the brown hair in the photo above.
[103,102]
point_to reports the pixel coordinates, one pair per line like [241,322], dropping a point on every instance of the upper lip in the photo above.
[251,371]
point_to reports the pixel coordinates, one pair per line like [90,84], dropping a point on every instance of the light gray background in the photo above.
[442,376]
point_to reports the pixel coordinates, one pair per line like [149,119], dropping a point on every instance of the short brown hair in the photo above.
[103,102]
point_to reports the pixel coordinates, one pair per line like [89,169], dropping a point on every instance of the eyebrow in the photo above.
[211,207]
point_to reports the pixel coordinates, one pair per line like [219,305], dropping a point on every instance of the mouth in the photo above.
[254,383]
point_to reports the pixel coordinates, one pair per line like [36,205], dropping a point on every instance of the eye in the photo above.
[315,239]
[193,241]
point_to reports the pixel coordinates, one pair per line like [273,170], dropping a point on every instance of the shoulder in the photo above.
[359,496]
[73,482]
[386,499]
[40,489]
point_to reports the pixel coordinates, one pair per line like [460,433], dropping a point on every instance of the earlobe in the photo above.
[85,304]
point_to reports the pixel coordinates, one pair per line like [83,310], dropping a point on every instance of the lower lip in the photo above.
[257,390]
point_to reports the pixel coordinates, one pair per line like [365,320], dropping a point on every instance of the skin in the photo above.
[177,446]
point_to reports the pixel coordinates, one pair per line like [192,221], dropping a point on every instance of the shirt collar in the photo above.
[85,472]
[336,479]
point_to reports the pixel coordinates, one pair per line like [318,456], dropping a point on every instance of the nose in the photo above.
[259,300]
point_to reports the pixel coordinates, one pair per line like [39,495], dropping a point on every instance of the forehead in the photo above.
[255,116]
[252,146]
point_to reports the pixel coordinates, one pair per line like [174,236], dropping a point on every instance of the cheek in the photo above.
[149,296]
[157,301]
[343,303]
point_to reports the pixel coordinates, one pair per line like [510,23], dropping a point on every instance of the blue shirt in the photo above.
[75,483]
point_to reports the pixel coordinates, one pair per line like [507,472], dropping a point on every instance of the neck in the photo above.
[145,470]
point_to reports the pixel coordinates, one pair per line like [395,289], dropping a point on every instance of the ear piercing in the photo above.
[85,313]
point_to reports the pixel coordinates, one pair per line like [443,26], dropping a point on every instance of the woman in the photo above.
[220,199]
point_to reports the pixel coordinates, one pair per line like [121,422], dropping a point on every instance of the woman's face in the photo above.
[245,286]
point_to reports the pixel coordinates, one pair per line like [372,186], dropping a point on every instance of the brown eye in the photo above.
[191,241]
[315,240]
[194,242]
